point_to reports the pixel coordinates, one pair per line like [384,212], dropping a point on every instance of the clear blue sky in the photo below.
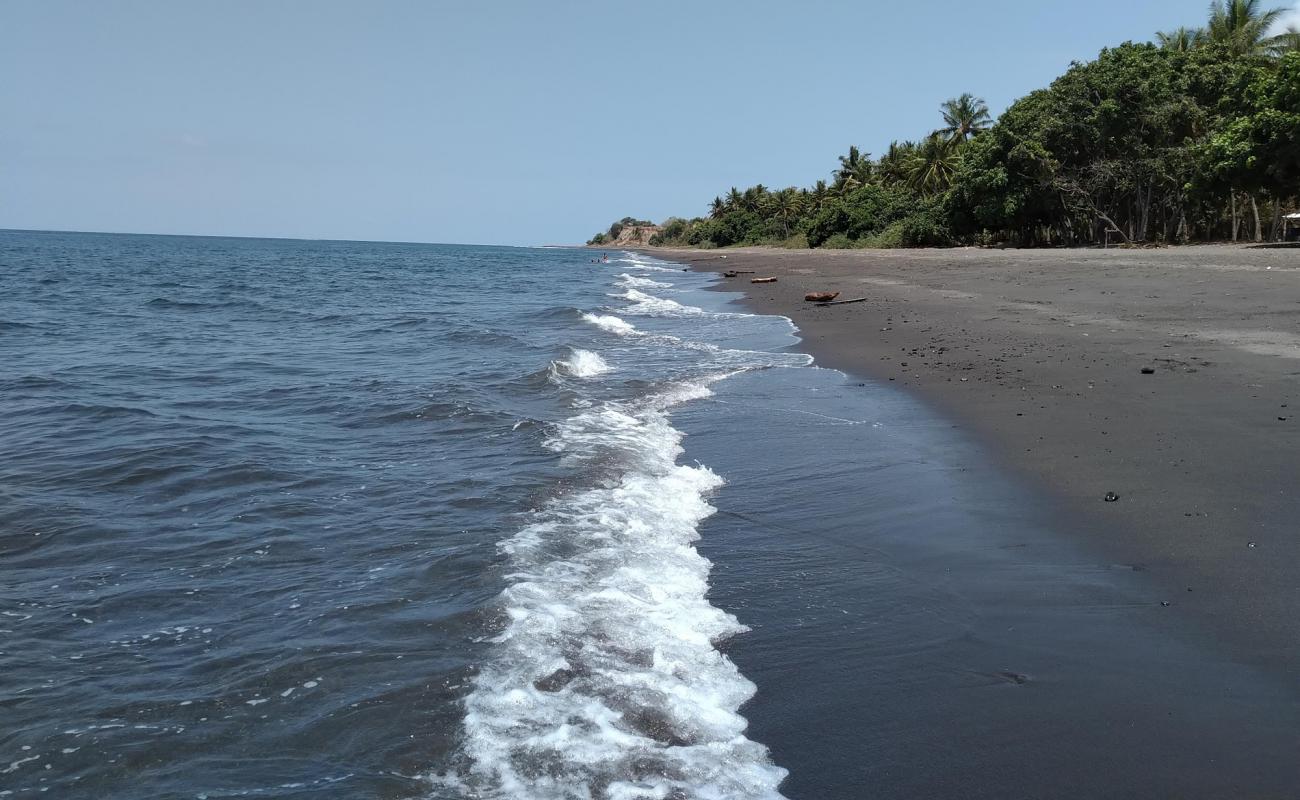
[490,121]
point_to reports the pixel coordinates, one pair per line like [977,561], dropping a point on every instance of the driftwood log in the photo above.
[821,297]
[762,280]
[842,302]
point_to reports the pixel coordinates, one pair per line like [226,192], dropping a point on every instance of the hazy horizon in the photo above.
[507,123]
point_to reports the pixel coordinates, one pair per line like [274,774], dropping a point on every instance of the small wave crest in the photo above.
[580,364]
[611,323]
[633,282]
[606,680]
[195,305]
[650,305]
[646,265]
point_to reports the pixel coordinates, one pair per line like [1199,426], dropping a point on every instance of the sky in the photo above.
[487,121]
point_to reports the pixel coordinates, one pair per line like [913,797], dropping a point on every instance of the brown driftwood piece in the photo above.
[821,297]
[762,280]
[842,302]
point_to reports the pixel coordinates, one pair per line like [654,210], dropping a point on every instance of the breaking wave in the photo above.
[606,681]
[581,364]
[611,323]
[633,282]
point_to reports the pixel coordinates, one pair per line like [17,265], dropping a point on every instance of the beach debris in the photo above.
[842,302]
[1251,545]
[731,273]
[1164,603]
[820,297]
[1111,497]
[1148,370]
[762,280]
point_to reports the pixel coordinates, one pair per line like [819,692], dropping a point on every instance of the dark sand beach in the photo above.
[1168,377]
[1040,354]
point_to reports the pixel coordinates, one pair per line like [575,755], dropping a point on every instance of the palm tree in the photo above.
[1181,39]
[752,198]
[933,163]
[894,165]
[735,200]
[785,205]
[1288,41]
[717,208]
[817,196]
[964,117]
[854,167]
[1242,26]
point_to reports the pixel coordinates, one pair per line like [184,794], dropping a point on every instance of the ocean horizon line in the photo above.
[281,238]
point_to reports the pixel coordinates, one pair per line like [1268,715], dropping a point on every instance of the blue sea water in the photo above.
[320,517]
[291,519]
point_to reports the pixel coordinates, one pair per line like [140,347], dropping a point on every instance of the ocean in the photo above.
[287,516]
[340,519]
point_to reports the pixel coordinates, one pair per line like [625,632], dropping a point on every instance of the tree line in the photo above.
[1192,137]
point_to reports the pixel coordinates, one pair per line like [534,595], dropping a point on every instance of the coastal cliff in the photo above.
[627,232]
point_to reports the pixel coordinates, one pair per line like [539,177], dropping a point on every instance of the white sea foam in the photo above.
[611,323]
[605,681]
[650,305]
[580,364]
[633,282]
[646,265]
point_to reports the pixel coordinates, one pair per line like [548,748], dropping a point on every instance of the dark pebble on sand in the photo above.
[1111,497]
[1148,370]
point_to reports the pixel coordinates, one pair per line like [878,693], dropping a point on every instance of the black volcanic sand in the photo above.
[927,625]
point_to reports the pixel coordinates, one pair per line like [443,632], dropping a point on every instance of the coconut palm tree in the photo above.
[1181,39]
[854,167]
[752,198]
[964,116]
[1288,41]
[785,205]
[933,163]
[1242,26]
[817,196]
[894,165]
[735,199]
[717,208]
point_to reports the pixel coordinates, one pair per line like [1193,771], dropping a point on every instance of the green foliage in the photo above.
[926,227]
[1170,142]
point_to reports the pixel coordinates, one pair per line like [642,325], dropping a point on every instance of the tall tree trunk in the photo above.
[1234,215]
[1259,228]
[1146,213]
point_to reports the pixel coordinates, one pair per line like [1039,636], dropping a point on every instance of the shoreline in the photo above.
[1039,356]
